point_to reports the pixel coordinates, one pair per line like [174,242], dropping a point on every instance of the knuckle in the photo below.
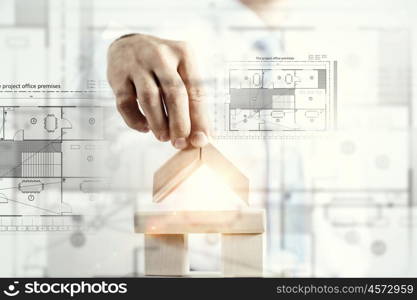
[183,48]
[124,105]
[164,54]
[123,95]
[180,128]
[119,49]
[162,48]
[160,54]
[119,67]
[196,94]
[169,83]
[150,96]
[173,95]
[127,54]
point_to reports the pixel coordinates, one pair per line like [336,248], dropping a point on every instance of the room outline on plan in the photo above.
[50,162]
[264,98]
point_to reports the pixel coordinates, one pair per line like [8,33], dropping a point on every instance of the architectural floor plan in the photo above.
[49,158]
[318,111]
[279,96]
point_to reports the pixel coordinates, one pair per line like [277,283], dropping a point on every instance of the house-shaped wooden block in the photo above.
[166,232]
[185,162]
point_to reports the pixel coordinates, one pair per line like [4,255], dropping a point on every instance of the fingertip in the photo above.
[164,137]
[199,139]
[180,143]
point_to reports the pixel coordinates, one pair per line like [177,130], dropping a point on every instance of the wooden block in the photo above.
[166,255]
[238,182]
[185,162]
[242,255]
[174,172]
[178,222]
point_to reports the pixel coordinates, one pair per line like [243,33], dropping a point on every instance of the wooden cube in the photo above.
[166,254]
[242,255]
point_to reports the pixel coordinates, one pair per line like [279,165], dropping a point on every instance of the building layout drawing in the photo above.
[280,96]
[50,159]
[67,163]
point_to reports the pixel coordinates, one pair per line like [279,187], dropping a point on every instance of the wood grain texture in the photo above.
[176,222]
[242,255]
[166,255]
[174,172]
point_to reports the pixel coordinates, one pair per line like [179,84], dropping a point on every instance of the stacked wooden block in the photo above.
[166,233]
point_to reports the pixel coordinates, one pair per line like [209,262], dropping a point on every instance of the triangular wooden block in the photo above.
[238,182]
[185,162]
[174,172]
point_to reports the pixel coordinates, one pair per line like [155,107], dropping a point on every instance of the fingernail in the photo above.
[180,143]
[164,137]
[199,139]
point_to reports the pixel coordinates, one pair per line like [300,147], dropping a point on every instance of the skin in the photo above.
[158,87]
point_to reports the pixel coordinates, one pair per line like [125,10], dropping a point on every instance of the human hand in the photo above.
[161,77]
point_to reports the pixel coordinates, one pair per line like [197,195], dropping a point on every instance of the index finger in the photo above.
[190,75]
